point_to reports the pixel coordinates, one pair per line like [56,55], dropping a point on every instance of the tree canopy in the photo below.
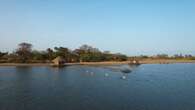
[24,51]
[85,53]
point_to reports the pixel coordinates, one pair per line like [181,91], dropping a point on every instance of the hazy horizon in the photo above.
[129,27]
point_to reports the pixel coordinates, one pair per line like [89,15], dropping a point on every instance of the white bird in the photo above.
[123,77]
[106,74]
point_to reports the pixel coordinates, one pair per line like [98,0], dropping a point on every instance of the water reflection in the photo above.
[23,72]
[23,69]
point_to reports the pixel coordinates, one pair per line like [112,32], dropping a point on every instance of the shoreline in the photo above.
[147,61]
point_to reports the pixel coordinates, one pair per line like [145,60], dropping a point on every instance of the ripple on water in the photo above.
[152,87]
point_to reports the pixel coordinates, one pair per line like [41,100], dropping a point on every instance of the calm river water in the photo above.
[147,87]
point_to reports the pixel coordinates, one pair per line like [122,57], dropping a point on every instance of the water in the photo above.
[148,87]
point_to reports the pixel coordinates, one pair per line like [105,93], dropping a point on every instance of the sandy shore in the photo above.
[148,61]
[67,64]
[25,64]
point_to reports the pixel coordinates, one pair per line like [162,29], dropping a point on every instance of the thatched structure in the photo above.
[58,61]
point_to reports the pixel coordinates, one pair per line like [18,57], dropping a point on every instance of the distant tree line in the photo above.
[165,56]
[25,54]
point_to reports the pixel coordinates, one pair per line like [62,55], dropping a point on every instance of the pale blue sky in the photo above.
[132,27]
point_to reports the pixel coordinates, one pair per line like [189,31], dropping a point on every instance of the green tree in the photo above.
[3,54]
[162,56]
[63,52]
[89,49]
[39,55]
[50,54]
[24,51]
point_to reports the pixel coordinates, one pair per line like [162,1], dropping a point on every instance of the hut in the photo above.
[58,61]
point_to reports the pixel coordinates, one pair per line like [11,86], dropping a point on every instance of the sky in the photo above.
[132,27]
